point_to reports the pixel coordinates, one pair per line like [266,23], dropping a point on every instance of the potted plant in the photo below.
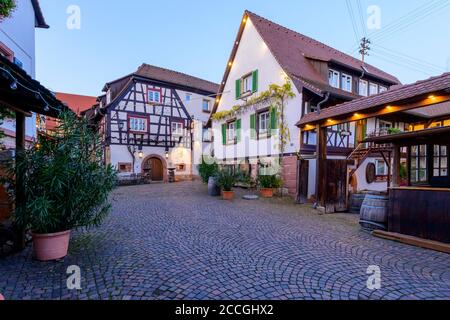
[64,186]
[267,183]
[225,180]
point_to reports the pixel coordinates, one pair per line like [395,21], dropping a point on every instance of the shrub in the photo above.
[66,185]
[270,181]
[226,179]
[6,8]
[207,169]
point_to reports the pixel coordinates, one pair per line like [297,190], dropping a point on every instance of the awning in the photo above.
[19,92]
[440,132]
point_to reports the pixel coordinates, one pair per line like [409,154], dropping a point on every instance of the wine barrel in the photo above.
[356,201]
[213,188]
[374,212]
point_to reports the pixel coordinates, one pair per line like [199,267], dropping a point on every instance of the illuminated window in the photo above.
[440,161]
[419,164]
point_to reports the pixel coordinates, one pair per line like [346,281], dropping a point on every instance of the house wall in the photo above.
[253,54]
[17,33]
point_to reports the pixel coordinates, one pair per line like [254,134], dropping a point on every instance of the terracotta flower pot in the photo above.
[267,192]
[2,298]
[228,195]
[52,246]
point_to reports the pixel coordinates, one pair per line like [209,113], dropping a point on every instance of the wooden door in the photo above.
[336,186]
[303,174]
[156,168]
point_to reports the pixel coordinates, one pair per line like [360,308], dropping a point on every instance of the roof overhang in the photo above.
[415,136]
[19,92]
[39,16]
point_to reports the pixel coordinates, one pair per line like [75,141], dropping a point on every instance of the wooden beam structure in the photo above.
[376,112]
[321,174]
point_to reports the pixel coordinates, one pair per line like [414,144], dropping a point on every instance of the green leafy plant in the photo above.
[65,183]
[207,168]
[269,181]
[394,131]
[6,8]
[225,179]
[245,178]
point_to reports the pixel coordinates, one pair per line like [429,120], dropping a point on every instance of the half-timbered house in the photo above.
[152,121]
[266,53]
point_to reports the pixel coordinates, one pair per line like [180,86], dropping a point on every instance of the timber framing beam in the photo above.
[377,111]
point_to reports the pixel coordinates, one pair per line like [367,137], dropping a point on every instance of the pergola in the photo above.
[426,102]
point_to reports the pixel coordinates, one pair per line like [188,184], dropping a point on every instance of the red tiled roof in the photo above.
[175,77]
[294,50]
[77,103]
[399,93]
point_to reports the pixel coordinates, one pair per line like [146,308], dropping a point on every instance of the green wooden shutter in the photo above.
[238,130]
[273,119]
[253,126]
[224,134]
[238,88]
[255,80]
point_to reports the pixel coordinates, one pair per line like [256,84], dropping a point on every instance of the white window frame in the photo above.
[247,83]
[138,124]
[209,105]
[331,77]
[379,162]
[177,128]
[153,97]
[231,131]
[366,91]
[373,85]
[382,89]
[263,118]
[345,80]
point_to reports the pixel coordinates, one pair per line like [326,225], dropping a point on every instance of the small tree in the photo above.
[6,8]
[65,183]
[207,168]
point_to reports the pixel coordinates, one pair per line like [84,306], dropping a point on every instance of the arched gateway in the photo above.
[156,167]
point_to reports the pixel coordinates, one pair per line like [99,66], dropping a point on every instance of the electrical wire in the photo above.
[353,21]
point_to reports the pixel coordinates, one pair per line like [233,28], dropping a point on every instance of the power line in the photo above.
[361,17]
[400,64]
[353,21]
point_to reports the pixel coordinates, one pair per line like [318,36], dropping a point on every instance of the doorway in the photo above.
[154,168]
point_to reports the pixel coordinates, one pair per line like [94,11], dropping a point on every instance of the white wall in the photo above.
[18,34]
[362,181]
[253,54]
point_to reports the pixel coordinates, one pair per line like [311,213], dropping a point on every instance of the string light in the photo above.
[16,83]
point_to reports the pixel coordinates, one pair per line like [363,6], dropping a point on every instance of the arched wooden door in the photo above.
[154,166]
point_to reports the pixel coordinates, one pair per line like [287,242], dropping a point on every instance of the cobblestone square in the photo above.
[172,241]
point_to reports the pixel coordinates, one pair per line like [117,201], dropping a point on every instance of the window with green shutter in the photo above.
[273,119]
[224,134]
[253,126]
[255,81]
[238,88]
[238,130]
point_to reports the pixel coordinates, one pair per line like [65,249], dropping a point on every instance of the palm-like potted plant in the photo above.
[66,186]
[226,180]
[267,183]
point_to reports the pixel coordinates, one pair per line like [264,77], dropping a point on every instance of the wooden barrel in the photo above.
[356,201]
[374,212]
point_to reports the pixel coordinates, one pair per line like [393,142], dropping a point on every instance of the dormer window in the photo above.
[153,95]
[346,82]
[382,89]
[333,78]
[373,89]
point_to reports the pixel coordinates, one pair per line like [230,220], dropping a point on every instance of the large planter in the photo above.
[52,246]
[266,192]
[1,297]
[228,195]
[213,188]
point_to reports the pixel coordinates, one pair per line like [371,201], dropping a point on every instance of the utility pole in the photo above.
[364,48]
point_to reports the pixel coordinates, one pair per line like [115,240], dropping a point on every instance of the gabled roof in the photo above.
[40,20]
[76,103]
[395,95]
[165,75]
[293,50]
[294,53]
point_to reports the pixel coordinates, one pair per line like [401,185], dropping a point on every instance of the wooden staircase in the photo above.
[364,150]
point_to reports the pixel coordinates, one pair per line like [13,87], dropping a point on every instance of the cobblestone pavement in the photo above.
[174,242]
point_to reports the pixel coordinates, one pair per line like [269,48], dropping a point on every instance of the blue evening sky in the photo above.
[196,36]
